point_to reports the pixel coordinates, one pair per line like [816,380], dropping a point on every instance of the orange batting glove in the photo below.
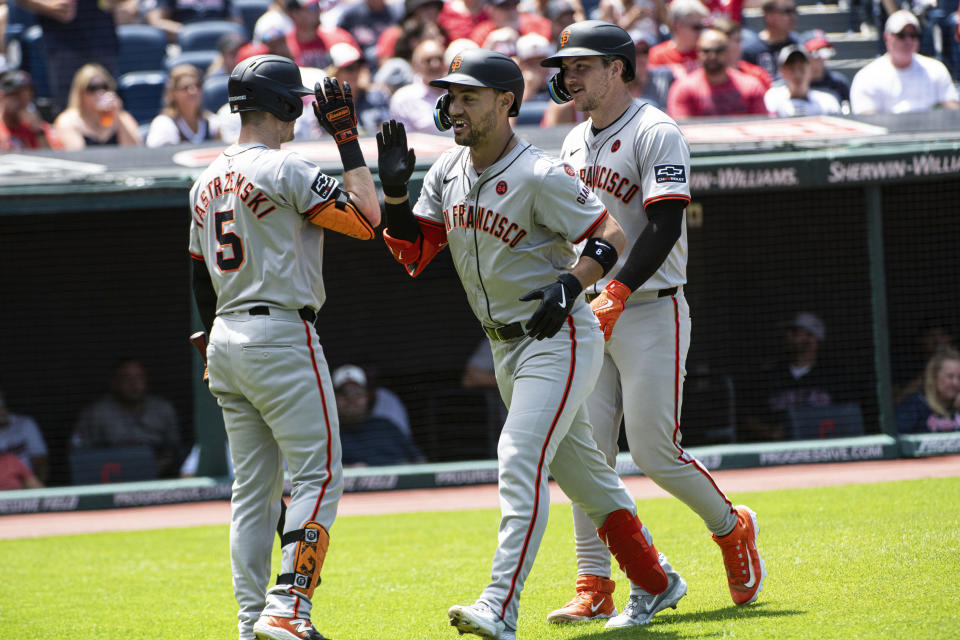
[609,305]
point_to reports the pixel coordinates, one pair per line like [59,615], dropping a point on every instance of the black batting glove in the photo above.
[335,110]
[395,161]
[556,301]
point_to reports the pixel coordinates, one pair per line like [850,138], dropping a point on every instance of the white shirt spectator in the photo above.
[164,130]
[779,103]
[414,104]
[882,88]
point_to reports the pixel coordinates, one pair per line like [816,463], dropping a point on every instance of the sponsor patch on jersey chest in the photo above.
[670,173]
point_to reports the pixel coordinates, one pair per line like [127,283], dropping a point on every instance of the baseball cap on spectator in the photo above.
[14,79]
[899,20]
[349,373]
[791,53]
[343,54]
[811,322]
[412,5]
[272,25]
[533,45]
[556,8]
[394,73]
[820,47]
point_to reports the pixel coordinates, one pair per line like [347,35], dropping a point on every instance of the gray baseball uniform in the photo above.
[641,158]
[511,229]
[252,212]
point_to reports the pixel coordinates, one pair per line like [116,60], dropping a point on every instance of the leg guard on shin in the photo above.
[312,542]
[637,557]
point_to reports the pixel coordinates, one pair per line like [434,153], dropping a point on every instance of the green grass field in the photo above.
[862,561]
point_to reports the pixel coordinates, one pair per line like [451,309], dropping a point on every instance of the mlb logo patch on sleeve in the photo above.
[670,173]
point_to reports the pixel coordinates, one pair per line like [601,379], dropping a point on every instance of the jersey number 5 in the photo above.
[228,239]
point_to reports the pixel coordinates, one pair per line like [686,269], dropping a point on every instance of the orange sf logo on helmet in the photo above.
[456,63]
[564,37]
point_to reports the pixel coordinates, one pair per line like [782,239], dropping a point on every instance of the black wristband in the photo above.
[351,156]
[394,190]
[602,252]
[571,283]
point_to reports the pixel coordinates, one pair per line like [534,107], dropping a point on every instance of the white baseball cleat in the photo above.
[642,607]
[479,620]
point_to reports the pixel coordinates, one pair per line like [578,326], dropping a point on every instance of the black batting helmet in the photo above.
[484,68]
[267,83]
[595,38]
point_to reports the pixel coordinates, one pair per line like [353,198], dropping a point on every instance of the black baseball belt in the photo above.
[662,293]
[506,333]
[306,313]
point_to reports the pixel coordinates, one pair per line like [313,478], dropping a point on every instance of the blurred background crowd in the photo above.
[75,73]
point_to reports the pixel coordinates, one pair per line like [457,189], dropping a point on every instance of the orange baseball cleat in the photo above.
[277,628]
[593,601]
[745,570]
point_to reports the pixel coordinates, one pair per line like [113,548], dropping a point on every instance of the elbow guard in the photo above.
[341,215]
[415,255]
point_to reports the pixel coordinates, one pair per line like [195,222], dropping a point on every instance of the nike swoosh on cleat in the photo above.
[753,578]
[594,607]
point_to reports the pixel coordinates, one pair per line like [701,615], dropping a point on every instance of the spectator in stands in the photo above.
[933,335]
[935,408]
[412,33]
[274,19]
[779,23]
[794,97]
[686,19]
[21,438]
[95,114]
[366,20]
[15,475]
[413,105]
[459,18]
[372,103]
[128,415]
[531,49]
[366,439]
[728,9]
[171,15]
[640,18]
[308,41]
[503,40]
[504,13]
[826,79]
[75,32]
[545,8]
[21,127]
[798,378]
[734,32]
[901,80]
[417,11]
[941,27]
[715,89]
[228,52]
[561,14]
[183,118]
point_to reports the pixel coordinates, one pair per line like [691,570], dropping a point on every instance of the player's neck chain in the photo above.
[502,152]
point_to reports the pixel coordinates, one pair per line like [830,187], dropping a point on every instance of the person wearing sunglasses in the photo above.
[779,31]
[95,113]
[686,21]
[902,80]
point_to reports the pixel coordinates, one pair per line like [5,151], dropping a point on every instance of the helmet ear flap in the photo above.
[441,114]
[557,89]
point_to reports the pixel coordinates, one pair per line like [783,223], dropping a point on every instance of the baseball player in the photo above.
[636,160]
[256,237]
[510,215]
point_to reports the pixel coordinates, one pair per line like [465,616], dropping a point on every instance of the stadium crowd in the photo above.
[75,73]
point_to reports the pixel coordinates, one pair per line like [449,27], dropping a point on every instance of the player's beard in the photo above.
[593,100]
[478,130]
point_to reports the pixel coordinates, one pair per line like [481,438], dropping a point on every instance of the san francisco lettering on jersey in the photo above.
[606,179]
[486,220]
[236,183]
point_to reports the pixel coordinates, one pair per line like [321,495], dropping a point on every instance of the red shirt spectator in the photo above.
[503,13]
[755,71]
[686,19]
[729,8]
[459,18]
[693,96]
[15,475]
[667,54]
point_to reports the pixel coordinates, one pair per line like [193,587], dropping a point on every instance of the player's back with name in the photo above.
[248,210]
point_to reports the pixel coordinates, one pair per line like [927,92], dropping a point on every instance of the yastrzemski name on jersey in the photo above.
[236,183]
